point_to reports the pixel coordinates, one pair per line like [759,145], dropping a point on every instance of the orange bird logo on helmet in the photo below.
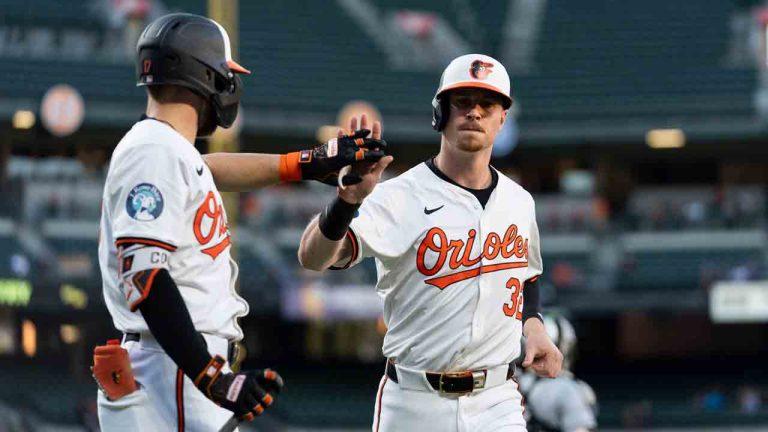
[480,69]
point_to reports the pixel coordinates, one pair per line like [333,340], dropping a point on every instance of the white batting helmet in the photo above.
[470,71]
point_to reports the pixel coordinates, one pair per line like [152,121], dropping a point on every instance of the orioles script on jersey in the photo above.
[457,254]
[212,212]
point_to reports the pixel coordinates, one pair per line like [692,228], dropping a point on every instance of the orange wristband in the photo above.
[289,167]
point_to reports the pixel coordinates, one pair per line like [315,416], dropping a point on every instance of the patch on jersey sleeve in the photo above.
[145,202]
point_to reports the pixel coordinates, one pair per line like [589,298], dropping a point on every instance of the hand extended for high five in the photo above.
[324,162]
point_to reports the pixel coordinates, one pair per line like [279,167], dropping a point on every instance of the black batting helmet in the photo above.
[192,51]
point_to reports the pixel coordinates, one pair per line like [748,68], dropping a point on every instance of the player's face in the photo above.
[476,116]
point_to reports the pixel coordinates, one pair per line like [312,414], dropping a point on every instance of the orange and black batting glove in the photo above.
[247,394]
[323,162]
[112,370]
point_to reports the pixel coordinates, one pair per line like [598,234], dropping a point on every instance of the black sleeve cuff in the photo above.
[335,219]
[531,300]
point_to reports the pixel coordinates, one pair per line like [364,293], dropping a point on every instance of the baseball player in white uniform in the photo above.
[457,256]
[164,245]
[563,404]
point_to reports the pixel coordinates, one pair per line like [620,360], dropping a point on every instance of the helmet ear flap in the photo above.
[439,113]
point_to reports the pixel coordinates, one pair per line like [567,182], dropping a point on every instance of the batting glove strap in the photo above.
[246,394]
[208,376]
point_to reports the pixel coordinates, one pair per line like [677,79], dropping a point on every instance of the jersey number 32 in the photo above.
[514,307]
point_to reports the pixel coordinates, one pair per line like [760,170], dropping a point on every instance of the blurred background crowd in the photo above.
[638,127]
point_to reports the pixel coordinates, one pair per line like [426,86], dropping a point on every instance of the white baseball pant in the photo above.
[167,400]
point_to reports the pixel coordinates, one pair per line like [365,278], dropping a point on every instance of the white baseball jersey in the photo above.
[160,193]
[450,272]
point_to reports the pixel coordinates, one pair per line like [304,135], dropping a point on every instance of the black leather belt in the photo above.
[233,350]
[453,382]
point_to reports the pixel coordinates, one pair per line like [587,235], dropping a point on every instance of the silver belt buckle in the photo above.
[478,380]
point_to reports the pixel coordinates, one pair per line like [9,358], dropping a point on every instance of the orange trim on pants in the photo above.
[180,399]
[378,398]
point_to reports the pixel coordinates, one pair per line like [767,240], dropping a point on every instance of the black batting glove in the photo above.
[324,161]
[247,394]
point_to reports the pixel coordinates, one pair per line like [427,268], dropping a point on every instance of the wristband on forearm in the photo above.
[335,219]
[290,168]
[531,301]
[209,375]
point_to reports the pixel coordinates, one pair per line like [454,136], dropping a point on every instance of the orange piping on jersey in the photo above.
[355,247]
[522,397]
[149,242]
[128,296]
[353,242]
[144,290]
[443,282]
[214,251]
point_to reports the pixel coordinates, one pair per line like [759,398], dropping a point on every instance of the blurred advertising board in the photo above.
[739,302]
[318,300]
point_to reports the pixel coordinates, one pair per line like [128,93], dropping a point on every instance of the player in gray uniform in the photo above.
[565,403]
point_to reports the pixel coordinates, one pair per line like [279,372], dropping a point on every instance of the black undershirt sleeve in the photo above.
[531,301]
[169,321]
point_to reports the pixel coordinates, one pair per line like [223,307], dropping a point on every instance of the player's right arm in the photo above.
[318,252]
[237,172]
[541,354]
[326,240]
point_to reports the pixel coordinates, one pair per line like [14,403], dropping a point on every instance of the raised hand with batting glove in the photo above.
[247,394]
[324,162]
[368,173]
